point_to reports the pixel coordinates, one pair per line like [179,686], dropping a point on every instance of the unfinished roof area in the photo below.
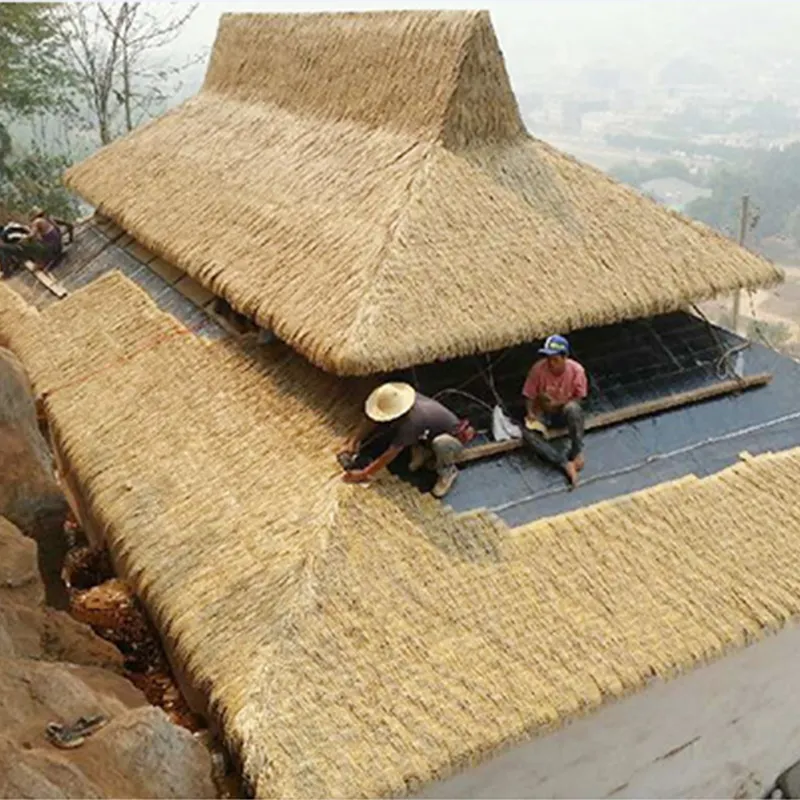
[363,641]
[363,185]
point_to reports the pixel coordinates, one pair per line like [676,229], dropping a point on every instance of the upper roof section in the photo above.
[395,70]
[362,185]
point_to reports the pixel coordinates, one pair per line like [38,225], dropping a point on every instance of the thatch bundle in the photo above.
[362,184]
[361,641]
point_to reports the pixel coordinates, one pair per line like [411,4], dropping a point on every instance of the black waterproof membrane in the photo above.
[627,364]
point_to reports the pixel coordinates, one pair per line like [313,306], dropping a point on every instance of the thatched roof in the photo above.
[363,185]
[361,641]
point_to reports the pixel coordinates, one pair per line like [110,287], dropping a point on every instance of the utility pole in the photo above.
[743,220]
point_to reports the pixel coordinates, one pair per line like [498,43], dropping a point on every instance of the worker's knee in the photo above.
[573,410]
[446,448]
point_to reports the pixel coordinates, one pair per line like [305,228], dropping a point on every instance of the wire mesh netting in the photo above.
[626,363]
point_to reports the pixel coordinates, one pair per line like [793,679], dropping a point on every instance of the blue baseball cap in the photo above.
[555,346]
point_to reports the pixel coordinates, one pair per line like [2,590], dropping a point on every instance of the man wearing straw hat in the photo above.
[435,434]
[553,392]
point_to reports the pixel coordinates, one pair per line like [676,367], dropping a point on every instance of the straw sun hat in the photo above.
[389,402]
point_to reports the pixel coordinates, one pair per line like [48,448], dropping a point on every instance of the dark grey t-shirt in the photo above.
[426,420]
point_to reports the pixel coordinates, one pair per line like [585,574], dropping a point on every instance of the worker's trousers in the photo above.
[441,453]
[572,418]
[11,257]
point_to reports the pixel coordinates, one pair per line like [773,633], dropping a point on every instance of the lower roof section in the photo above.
[364,641]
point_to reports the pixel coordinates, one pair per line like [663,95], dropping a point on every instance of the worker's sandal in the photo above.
[445,483]
[64,737]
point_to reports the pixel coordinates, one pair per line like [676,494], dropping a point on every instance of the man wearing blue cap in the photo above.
[553,392]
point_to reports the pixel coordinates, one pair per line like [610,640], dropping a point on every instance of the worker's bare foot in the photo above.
[580,463]
[571,470]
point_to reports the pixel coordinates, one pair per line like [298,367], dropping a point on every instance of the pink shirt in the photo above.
[570,385]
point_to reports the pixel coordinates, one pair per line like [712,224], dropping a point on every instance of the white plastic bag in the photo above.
[503,428]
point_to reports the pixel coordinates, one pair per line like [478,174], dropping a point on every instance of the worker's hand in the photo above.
[346,459]
[545,402]
[351,447]
[533,424]
[355,476]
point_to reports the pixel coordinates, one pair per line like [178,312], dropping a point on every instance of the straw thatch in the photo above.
[362,184]
[361,641]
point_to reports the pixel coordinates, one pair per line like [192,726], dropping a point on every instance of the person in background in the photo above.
[12,236]
[13,233]
[435,435]
[44,245]
[554,390]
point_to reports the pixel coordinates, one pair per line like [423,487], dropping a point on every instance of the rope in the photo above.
[652,459]
[757,324]
[723,365]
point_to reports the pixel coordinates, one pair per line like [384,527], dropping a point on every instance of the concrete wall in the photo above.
[724,730]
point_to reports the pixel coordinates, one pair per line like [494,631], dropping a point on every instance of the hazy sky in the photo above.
[540,37]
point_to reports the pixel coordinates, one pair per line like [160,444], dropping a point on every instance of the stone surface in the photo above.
[19,571]
[139,753]
[30,630]
[50,635]
[29,494]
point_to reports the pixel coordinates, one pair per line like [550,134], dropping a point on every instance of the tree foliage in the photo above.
[771,178]
[34,179]
[33,79]
[32,73]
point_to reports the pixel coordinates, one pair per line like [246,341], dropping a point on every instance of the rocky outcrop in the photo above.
[19,571]
[29,494]
[54,669]
[138,753]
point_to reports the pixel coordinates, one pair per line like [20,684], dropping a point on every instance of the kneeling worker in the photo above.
[553,392]
[434,434]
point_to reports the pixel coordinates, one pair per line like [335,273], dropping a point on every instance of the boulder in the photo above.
[139,753]
[30,630]
[49,635]
[19,571]
[29,493]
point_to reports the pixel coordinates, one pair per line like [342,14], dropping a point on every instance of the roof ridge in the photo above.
[352,340]
[409,86]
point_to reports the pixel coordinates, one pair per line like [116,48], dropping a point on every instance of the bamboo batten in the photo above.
[363,641]
[363,185]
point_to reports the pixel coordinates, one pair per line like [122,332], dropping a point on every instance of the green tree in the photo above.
[32,73]
[33,79]
[770,177]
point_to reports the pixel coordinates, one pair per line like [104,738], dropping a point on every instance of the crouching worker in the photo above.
[435,434]
[553,392]
[45,246]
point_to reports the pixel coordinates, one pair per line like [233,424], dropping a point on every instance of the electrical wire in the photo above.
[469,396]
[723,365]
